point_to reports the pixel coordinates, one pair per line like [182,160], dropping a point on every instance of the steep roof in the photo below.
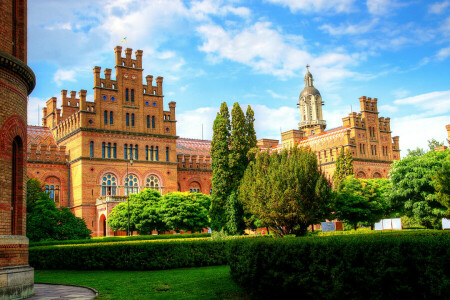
[193,147]
[39,135]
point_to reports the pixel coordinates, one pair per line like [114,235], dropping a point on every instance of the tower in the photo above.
[17,81]
[310,104]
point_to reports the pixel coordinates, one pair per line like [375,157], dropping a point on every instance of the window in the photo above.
[109,185]
[111,118]
[126,94]
[125,151]
[167,153]
[127,119]
[148,121]
[132,95]
[131,151]
[194,190]
[105,114]
[91,148]
[115,150]
[109,150]
[103,150]
[156,153]
[131,185]
[146,152]
[151,153]
[53,192]
[132,120]
[153,122]
[152,182]
[136,152]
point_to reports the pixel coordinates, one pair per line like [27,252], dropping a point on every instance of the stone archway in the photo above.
[361,175]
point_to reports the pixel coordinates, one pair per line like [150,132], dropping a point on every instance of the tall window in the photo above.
[111,118]
[17,186]
[167,153]
[126,94]
[109,150]
[125,151]
[156,153]
[151,153]
[127,119]
[52,192]
[105,115]
[132,95]
[153,122]
[91,149]
[109,185]
[148,121]
[146,152]
[103,150]
[132,120]
[131,184]
[131,151]
[115,150]
[152,182]
[136,152]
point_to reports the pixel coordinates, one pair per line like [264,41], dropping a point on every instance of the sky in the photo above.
[255,53]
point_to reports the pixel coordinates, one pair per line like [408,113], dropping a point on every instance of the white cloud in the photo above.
[400,93]
[202,9]
[189,123]
[64,75]
[430,104]
[275,95]
[350,29]
[381,7]
[333,6]
[388,108]
[439,8]
[445,28]
[443,53]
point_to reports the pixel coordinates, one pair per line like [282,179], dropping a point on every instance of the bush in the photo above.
[144,255]
[119,239]
[391,266]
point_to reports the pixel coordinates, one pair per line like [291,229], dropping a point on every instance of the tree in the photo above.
[344,168]
[434,143]
[47,222]
[441,182]
[235,215]
[413,189]
[286,191]
[352,208]
[250,133]
[181,211]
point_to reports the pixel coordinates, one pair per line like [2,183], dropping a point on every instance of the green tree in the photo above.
[235,215]
[352,208]
[344,167]
[441,182]
[434,143]
[250,133]
[47,222]
[286,191]
[413,189]
[181,211]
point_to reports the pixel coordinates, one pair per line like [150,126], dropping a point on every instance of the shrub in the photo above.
[391,266]
[144,255]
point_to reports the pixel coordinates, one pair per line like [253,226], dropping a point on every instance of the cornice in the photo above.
[17,66]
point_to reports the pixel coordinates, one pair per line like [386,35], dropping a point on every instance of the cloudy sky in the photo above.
[255,52]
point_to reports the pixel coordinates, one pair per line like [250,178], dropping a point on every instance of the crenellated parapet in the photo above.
[368,104]
[186,161]
[106,82]
[47,153]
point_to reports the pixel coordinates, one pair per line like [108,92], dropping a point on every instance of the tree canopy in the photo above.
[286,191]
[344,168]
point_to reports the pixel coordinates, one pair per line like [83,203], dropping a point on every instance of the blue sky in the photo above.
[255,52]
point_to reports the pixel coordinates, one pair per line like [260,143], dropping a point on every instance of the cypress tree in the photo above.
[344,168]
[250,133]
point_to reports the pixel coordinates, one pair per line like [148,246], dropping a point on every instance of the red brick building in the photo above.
[17,81]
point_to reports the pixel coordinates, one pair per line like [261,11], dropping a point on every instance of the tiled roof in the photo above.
[193,147]
[39,135]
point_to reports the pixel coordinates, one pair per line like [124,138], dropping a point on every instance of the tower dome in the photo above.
[309,85]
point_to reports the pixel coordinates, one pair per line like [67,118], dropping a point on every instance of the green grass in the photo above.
[193,283]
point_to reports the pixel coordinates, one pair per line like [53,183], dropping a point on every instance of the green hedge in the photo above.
[363,231]
[129,256]
[344,267]
[121,239]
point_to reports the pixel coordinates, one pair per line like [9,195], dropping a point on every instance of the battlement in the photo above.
[150,89]
[186,161]
[385,124]
[354,120]
[46,153]
[107,82]
[127,61]
[368,104]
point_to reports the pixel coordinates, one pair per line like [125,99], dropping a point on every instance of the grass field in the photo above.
[193,283]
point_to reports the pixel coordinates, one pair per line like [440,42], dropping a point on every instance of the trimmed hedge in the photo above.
[121,239]
[129,256]
[363,231]
[344,267]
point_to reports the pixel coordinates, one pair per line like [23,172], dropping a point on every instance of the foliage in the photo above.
[235,213]
[47,222]
[382,266]
[344,168]
[250,131]
[144,255]
[413,190]
[183,211]
[119,239]
[286,191]
[434,143]
[441,182]
[352,209]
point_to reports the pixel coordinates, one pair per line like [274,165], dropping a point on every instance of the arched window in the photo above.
[103,150]
[136,152]
[167,153]
[131,151]
[148,121]
[131,185]
[111,118]
[125,151]
[126,94]
[156,153]
[146,152]
[194,187]
[115,150]
[152,182]
[132,120]
[127,119]
[151,153]
[132,95]
[109,150]
[17,186]
[109,185]
[91,148]
[153,122]
[105,114]
[52,191]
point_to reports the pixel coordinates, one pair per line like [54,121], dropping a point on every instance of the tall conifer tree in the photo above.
[250,131]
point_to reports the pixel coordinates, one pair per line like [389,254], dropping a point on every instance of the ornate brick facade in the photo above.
[16,83]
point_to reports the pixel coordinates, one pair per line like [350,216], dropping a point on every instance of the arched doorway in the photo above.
[194,187]
[102,224]
[361,174]
[376,175]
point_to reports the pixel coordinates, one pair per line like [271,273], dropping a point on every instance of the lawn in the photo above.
[192,283]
